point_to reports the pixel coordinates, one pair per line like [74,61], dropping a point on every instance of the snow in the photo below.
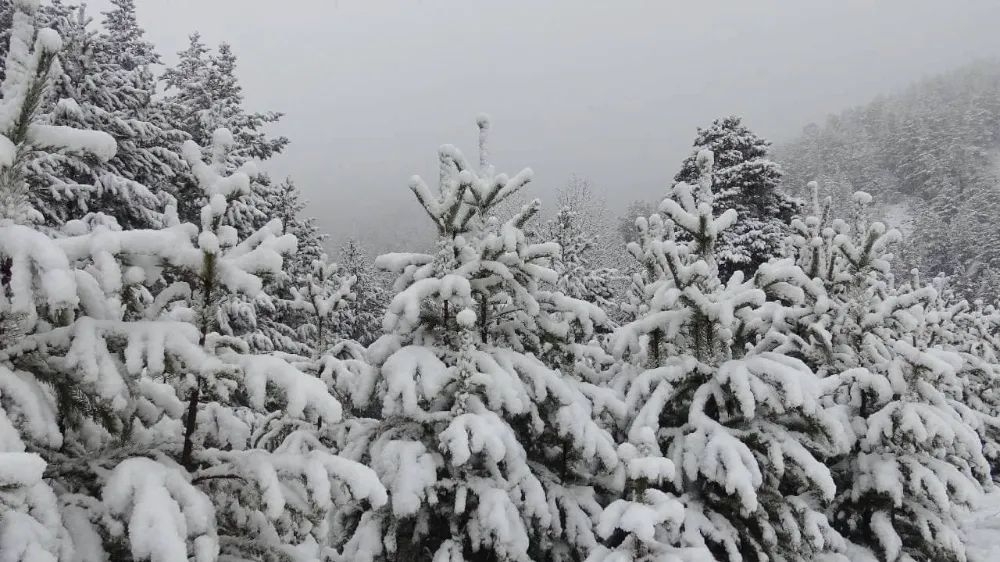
[982,528]
[20,469]
[466,318]
[409,471]
[29,6]
[498,404]
[8,152]
[305,396]
[162,511]
[98,143]
[862,198]
[49,40]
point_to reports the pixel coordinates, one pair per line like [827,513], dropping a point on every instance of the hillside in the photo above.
[929,156]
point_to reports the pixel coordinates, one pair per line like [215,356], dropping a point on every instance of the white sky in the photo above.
[612,91]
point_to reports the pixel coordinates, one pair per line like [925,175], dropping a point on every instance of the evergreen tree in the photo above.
[132,52]
[726,446]
[325,299]
[488,454]
[99,91]
[577,278]
[31,517]
[626,223]
[926,154]
[284,201]
[203,94]
[164,439]
[100,456]
[916,460]
[581,197]
[206,95]
[279,323]
[746,180]
[364,322]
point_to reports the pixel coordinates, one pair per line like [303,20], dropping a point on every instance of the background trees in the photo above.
[744,179]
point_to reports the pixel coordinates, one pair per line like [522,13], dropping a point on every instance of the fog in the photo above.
[611,91]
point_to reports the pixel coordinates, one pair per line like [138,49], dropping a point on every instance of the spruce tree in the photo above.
[102,91]
[577,277]
[31,517]
[725,445]
[130,429]
[916,460]
[744,179]
[364,322]
[488,454]
[324,297]
[204,94]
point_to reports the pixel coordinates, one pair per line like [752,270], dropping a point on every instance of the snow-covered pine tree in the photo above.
[586,353]
[100,90]
[31,517]
[253,421]
[915,460]
[192,426]
[324,300]
[204,94]
[487,453]
[746,180]
[278,320]
[584,199]
[284,201]
[99,457]
[969,331]
[725,445]
[363,324]
[577,277]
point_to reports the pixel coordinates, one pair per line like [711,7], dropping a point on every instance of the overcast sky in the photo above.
[609,90]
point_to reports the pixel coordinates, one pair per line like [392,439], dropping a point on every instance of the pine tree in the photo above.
[916,460]
[626,222]
[325,298]
[726,445]
[488,454]
[100,456]
[577,278]
[31,517]
[746,180]
[279,322]
[203,95]
[156,417]
[581,197]
[284,201]
[924,152]
[98,91]
[206,95]
[363,324]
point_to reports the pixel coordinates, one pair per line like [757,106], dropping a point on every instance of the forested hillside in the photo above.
[929,156]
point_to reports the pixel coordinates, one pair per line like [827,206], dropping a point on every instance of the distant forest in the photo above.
[929,157]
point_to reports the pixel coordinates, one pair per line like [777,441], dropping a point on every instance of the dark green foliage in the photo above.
[744,179]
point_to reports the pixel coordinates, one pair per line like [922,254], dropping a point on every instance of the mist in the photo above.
[612,92]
